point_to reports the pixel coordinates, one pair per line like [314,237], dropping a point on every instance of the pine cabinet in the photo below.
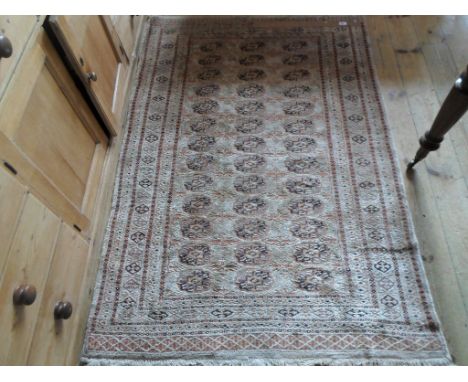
[60,136]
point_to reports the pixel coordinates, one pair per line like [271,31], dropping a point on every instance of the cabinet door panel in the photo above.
[127,28]
[50,136]
[52,338]
[28,263]
[11,200]
[53,137]
[91,47]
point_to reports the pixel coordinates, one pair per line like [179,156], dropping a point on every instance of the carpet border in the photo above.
[418,252]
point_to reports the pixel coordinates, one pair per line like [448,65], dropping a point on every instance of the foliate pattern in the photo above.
[315,252]
[300,126]
[202,125]
[302,165]
[295,59]
[299,145]
[254,281]
[315,280]
[194,281]
[207,90]
[209,74]
[198,182]
[252,254]
[201,143]
[252,75]
[195,228]
[205,107]
[249,184]
[250,206]
[250,163]
[305,206]
[250,144]
[196,204]
[194,254]
[252,59]
[303,185]
[250,126]
[249,108]
[210,59]
[296,75]
[257,207]
[250,91]
[252,46]
[308,228]
[250,228]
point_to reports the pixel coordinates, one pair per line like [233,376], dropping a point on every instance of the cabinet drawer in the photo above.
[29,258]
[96,56]
[53,337]
[18,30]
[50,137]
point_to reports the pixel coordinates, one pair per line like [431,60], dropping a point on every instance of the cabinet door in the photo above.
[17,29]
[97,58]
[49,136]
[28,262]
[54,337]
[12,195]
[127,28]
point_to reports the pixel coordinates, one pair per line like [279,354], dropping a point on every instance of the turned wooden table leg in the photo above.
[453,108]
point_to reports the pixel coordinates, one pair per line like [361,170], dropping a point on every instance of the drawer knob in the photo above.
[24,295]
[6,49]
[92,76]
[63,310]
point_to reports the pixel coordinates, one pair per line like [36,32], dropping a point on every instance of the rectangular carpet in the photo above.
[259,215]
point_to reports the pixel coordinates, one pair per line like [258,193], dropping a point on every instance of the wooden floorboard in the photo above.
[417,58]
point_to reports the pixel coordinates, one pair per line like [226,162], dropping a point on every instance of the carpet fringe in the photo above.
[268,362]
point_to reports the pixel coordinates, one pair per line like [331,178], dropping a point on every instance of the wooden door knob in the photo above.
[6,49]
[92,76]
[24,295]
[63,310]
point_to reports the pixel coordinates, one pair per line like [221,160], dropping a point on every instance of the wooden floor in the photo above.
[417,59]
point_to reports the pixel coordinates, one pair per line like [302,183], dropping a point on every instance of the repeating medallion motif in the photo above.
[250,228]
[196,204]
[302,165]
[252,59]
[202,125]
[249,184]
[315,280]
[303,185]
[315,252]
[252,254]
[254,280]
[250,126]
[209,74]
[194,254]
[300,126]
[250,206]
[250,163]
[195,281]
